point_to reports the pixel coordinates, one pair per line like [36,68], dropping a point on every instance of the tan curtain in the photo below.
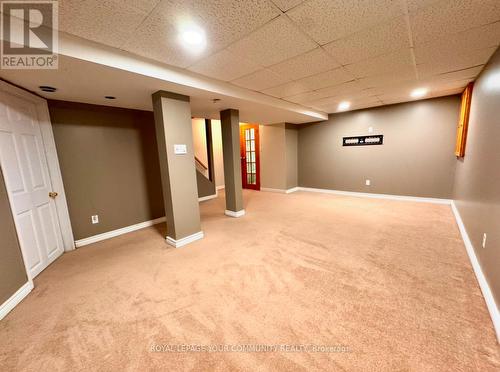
[463,123]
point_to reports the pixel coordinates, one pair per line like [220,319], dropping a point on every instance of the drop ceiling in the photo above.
[313,53]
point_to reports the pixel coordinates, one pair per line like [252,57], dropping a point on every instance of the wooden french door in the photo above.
[250,156]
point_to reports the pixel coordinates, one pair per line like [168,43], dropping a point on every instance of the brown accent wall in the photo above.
[477,179]
[12,271]
[273,156]
[109,164]
[416,158]
[291,143]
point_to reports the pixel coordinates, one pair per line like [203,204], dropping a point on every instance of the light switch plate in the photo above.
[95,219]
[367,182]
[180,149]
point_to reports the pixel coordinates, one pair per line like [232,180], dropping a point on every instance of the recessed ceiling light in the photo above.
[419,92]
[344,106]
[109,97]
[48,89]
[192,38]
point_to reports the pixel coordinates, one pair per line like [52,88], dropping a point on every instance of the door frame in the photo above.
[49,147]
[242,128]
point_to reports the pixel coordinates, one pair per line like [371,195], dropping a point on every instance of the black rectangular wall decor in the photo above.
[363,140]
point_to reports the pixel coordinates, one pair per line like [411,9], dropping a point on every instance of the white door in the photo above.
[25,170]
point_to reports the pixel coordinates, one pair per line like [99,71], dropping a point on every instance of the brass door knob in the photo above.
[53,194]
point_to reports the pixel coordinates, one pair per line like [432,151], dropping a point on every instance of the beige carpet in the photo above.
[386,284]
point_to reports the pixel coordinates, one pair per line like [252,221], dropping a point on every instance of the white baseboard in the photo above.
[208,197]
[267,189]
[234,214]
[117,232]
[183,241]
[378,196]
[15,299]
[483,283]
[220,187]
[281,191]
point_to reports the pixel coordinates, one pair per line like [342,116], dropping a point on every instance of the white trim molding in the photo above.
[234,214]
[208,197]
[483,283]
[281,191]
[378,196]
[267,189]
[186,240]
[117,232]
[15,299]
[220,187]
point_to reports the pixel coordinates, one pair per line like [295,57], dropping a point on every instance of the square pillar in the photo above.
[174,135]
[230,126]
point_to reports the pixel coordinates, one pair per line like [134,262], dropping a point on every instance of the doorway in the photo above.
[250,156]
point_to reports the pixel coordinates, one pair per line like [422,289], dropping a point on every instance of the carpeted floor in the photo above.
[383,285]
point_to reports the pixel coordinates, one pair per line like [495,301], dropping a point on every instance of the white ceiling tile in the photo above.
[449,63]
[371,42]
[452,46]
[109,22]
[351,87]
[326,79]
[414,5]
[286,5]
[328,20]
[387,79]
[260,80]
[275,42]
[303,98]
[398,61]
[224,66]
[223,21]
[307,64]
[451,16]
[288,89]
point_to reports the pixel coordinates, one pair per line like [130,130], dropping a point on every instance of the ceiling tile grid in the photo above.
[325,79]
[371,42]
[452,16]
[329,20]
[288,89]
[224,66]
[275,42]
[307,64]
[260,80]
[305,51]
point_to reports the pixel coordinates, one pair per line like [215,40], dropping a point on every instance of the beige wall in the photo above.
[416,158]
[272,156]
[218,155]
[477,180]
[12,270]
[200,140]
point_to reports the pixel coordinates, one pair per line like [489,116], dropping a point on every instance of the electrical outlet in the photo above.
[368,182]
[484,240]
[95,219]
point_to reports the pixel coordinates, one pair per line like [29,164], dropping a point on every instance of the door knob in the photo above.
[53,194]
